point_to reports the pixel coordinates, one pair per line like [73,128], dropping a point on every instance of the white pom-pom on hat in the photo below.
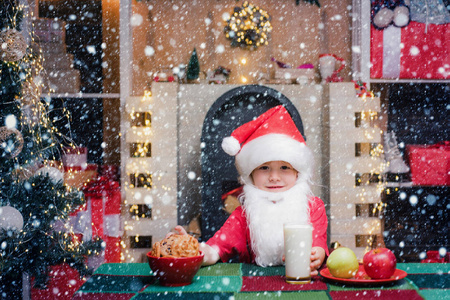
[231,145]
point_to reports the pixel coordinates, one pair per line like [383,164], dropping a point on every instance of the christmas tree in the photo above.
[193,69]
[34,202]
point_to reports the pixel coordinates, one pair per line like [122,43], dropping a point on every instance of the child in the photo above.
[275,168]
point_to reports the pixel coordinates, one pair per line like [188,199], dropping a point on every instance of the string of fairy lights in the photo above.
[142,131]
[368,120]
[33,79]
[29,103]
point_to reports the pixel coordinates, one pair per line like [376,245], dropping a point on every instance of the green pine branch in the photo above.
[43,205]
[11,16]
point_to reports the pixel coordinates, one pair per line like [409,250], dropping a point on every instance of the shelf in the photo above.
[409,81]
[419,187]
[85,95]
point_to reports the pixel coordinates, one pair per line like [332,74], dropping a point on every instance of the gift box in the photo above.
[50,30]
[77,176]
[417,51]
[430,164]
[435,257]
[63,81]
[64,282]
[111,172]
[295,75]
[49,49]
[58,61]
[100,216]
[76,156]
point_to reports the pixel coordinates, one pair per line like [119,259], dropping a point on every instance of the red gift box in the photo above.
[64,282]
[417,51]
[430,164]
[77,176]
[100,216]
[435,257]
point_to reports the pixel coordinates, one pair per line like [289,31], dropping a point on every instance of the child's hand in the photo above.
[317,258]
[211,256]
[180,230]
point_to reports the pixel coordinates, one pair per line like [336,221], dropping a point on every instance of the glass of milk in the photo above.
[297,250]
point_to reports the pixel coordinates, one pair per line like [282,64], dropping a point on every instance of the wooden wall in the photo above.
[173,28]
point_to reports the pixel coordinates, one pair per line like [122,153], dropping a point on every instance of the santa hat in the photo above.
[273,136]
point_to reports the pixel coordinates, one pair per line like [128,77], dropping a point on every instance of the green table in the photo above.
[244,281]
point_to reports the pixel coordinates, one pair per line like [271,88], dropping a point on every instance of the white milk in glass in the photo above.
[297,249]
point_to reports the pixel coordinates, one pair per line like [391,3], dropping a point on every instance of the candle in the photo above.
[297,249]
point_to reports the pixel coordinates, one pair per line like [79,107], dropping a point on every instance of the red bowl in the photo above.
[173,271]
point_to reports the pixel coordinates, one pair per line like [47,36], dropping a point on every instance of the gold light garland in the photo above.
[368,119]
[13,45]
[137,179]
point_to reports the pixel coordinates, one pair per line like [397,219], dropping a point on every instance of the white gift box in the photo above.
[295,75]
[75,157]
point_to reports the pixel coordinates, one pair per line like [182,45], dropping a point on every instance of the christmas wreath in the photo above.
[248,27]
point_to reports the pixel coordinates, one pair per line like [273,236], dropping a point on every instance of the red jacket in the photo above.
[233,238]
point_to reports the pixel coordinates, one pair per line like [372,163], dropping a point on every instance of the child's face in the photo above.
[274,176]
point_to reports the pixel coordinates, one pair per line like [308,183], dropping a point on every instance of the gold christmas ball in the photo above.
[13,46]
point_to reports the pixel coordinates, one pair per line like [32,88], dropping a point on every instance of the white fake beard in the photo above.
[267,212]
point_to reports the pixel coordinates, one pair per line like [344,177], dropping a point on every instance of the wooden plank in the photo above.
[355,165]
[355,226]
[345,240]
[342,211]
[156,228]
[368,194]
[353,135]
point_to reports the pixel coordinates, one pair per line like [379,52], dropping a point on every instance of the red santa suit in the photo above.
[233,238]
[254,231]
